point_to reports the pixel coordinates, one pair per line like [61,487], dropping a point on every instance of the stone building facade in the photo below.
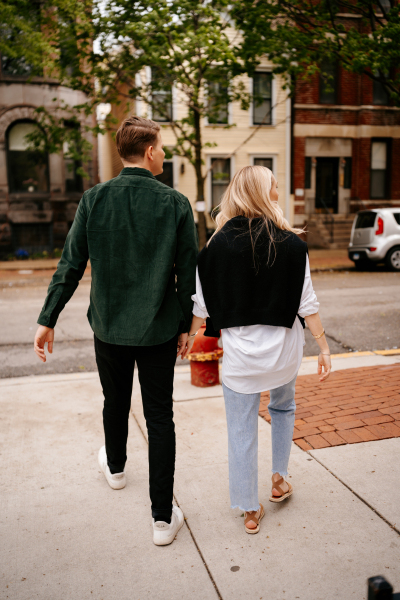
[39,193]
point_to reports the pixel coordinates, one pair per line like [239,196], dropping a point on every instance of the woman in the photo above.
[253,282]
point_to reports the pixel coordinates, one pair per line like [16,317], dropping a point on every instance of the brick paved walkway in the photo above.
[353,405]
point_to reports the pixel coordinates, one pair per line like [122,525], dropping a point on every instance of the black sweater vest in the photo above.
[242,287]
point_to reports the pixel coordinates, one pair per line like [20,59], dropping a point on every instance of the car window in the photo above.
[397,217]
[365,219]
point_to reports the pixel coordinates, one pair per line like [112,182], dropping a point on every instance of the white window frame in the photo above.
[173,101]
[273,99]
[273,155]
[230,115]
[209,205]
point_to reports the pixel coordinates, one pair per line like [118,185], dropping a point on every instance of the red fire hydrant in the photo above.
[204,360]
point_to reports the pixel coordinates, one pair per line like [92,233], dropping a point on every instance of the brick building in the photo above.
[39,193]
[345,153]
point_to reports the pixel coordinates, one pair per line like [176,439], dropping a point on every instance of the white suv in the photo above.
[375,238]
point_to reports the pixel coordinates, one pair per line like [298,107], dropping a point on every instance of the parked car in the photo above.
[375,238]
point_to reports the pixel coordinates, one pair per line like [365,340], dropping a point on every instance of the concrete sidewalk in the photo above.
[67,535]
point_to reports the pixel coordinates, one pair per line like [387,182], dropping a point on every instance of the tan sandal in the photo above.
[256,517]
[277,486]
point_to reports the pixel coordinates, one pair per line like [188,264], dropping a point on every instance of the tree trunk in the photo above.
[202,229]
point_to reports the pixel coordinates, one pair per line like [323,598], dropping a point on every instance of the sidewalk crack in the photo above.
[357,495]
[187,525]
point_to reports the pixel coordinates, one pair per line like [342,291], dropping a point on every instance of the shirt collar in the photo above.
[136,171]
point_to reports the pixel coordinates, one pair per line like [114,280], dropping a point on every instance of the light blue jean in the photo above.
[242,419]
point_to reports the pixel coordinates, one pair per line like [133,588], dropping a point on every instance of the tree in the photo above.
[300,36]
[156,50]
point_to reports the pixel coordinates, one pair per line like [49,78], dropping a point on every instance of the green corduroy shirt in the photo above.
[141,239]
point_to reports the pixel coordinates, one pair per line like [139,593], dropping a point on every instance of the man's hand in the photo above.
[43,335]
[188,348]
[182,341]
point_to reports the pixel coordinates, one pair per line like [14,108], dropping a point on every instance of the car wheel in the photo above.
[393,259]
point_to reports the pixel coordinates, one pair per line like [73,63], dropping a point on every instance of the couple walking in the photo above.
[148,299]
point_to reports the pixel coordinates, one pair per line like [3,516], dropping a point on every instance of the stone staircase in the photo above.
[329,231]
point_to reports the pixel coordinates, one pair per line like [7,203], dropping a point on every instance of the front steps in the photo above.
[329,231]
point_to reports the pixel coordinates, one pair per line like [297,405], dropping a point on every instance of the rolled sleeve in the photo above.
[199,306]
[309,304]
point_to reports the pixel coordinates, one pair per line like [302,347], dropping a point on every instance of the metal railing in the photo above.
[329,220]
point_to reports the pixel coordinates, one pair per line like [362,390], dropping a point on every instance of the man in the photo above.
[141,240]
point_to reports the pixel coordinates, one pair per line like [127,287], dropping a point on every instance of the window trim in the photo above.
[273,155]
[150,108]
[251,90]
[374,103]
[388,177]
[230,115]
[7,134]
[336,88]
[208,190]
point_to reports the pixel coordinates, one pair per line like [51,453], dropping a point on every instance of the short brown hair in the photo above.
[134,136]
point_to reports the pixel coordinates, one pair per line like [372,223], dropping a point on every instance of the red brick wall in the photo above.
[348,88]
[362,162]
[366,90]
[307,90]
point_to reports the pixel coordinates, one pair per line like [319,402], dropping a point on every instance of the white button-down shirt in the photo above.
[258,358]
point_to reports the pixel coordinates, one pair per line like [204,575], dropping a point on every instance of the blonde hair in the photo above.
[248,195]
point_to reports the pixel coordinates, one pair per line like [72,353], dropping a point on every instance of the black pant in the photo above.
[156,375]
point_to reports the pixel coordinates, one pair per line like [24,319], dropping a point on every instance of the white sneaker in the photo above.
[164,533]
[116,481]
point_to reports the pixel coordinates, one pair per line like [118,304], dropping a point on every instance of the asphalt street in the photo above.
[360,311]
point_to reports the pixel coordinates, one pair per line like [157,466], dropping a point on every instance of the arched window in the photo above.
[28,170]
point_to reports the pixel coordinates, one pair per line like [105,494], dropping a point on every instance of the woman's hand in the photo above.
[324,362]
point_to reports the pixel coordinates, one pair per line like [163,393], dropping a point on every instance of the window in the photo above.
[365,220]
[264,162]
[15,66]
[262,95]
[27,169]
[217,103]
[384,5]
[68,36]
[220,178]
[73,181]
[397,217]
[307,174]
[167,176]
[378,169]
[161,96]
[328,83]
[380,95]
[347,173]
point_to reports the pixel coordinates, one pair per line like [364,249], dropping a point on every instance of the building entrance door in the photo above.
[326,195]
